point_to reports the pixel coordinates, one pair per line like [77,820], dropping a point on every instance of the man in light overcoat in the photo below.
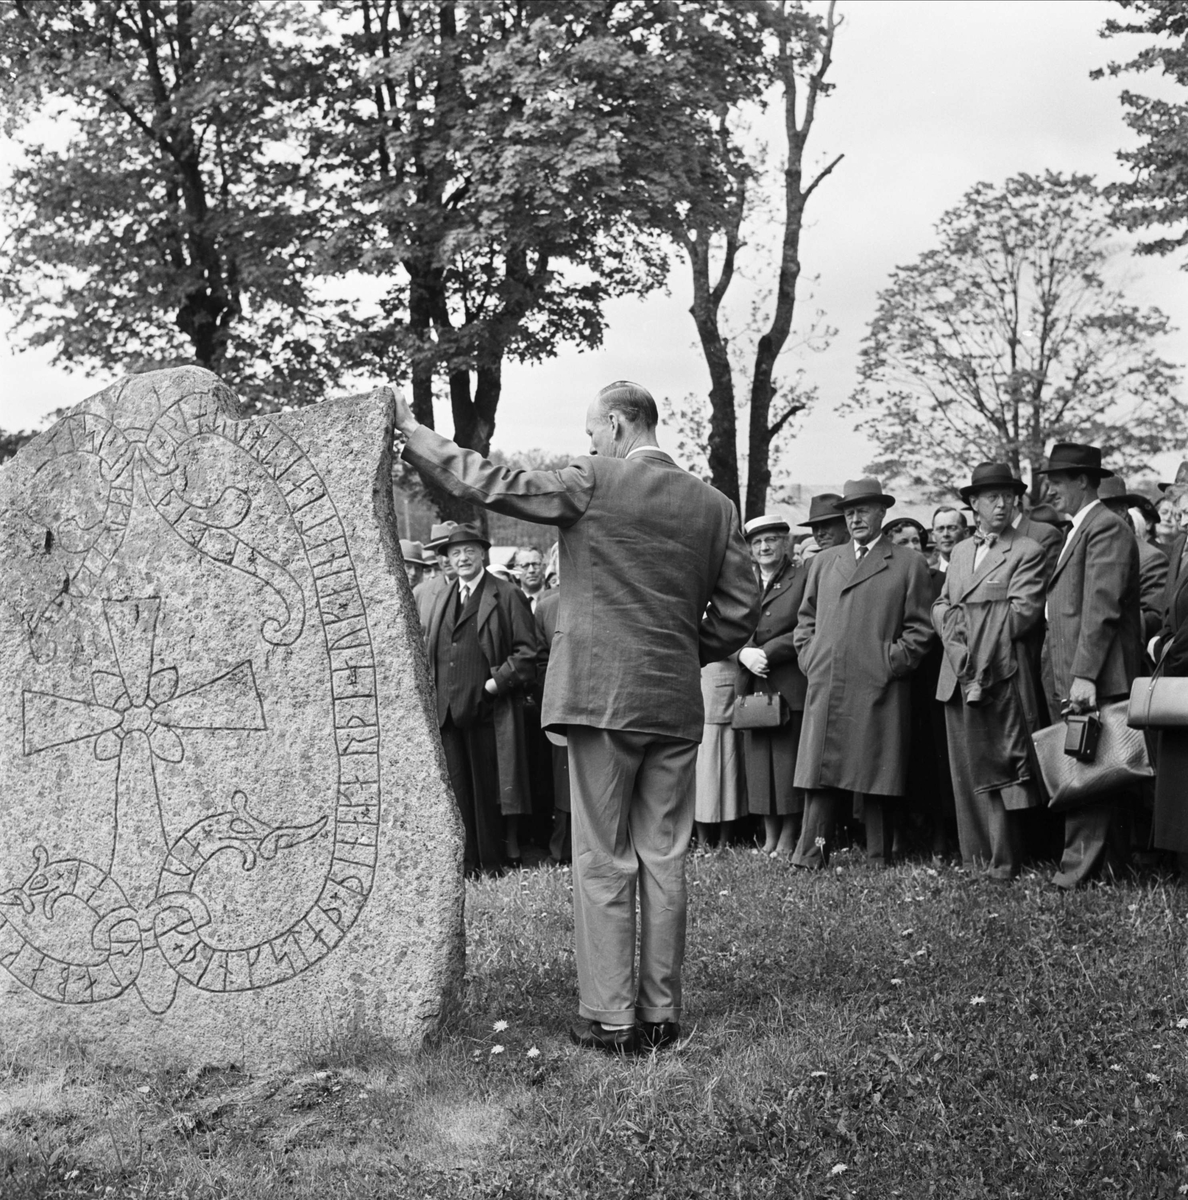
[864,626]
[655,583]
[989,611]
[1093,648]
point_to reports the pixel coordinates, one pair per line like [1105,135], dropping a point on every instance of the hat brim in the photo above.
[784,528]
[869,497]
[815,521]
[967,493]
[466,541]
[1074,469]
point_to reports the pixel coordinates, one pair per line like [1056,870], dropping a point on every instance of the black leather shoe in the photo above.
[593,1035]
[655,1035]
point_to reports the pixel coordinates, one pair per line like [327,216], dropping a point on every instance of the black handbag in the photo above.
[760,710]
[1120,760]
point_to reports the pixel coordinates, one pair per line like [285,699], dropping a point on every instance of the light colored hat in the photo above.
[439,533]
[769,523]
[413,552]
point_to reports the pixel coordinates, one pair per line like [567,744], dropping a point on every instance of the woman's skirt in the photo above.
[771,766]
[721,790]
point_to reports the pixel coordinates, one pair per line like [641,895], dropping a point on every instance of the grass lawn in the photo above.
[901,1033]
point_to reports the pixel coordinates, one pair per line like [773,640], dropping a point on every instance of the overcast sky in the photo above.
[931,97]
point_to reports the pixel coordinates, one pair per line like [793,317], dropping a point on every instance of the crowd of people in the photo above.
[873,673]
[902,670]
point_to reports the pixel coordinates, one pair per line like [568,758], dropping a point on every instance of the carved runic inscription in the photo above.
[137,914]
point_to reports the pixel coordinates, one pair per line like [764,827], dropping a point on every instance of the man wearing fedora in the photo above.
[1093,647]
[863,628]
[655,582]
[826,521]
[989,610]
[427,591]
[482,656]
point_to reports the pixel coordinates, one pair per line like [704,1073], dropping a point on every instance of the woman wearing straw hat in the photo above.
[768,664]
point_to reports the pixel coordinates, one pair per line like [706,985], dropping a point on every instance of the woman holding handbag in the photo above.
[771,688]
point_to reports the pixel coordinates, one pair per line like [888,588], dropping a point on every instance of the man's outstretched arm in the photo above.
[545,497]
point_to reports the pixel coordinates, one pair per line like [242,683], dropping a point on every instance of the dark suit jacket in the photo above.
[1154,569]
[507,638]
[1094,620]
[1175,555]
[862,630]
[656,580]
[773,635]
[1003,602]
[1050,539]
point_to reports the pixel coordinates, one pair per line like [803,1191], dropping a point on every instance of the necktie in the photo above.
[863,551]
[986,539]
[463,595]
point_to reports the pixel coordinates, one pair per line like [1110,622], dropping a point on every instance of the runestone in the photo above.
[226,833]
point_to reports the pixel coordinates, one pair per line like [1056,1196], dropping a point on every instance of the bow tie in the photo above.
[985,539]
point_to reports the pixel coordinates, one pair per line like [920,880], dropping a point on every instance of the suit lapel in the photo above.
[778,578]
[995,557]
[874,562]
[441,606]
[486,604]
[1072,540]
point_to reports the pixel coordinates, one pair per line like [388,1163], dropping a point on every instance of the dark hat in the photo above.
[1180,479]
[1075,458]
[992,475]
[466,533]
[822,509]
[413,552]
[863,491]
[439,533]
[900,522]
[769,523]
[1114,488]
[1049,516]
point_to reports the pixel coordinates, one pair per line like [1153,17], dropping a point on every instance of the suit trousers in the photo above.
[633,797]
[989,834]
[879,814]
[473,764]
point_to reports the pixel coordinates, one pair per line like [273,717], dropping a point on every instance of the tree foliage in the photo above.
[174,222]
[509,165]
[1010,335]
[796,53]
[1156,195]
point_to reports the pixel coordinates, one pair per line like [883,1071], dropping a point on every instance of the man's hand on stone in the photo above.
[405,421]
[754,660]
[1082,696]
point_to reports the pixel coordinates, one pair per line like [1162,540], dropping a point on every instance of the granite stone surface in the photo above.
[226,832]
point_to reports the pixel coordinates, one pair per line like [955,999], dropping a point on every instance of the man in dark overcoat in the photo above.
[481,641]
[655,583]
[989,610]
[863,628]
[1093,647]
[1050,537]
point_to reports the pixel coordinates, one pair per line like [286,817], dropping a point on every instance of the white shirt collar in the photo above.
[869,546]
[1082,515]
[641,450]
[1017,519]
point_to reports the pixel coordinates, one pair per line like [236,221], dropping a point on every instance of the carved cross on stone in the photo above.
[136,715]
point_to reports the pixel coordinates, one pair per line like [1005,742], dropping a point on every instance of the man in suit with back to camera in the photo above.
[1153,564]
[655,582]
[989,610]
[1050,537]
[1094,642]
[863,628]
